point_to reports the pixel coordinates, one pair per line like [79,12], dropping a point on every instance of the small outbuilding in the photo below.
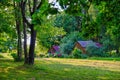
[83,44]
[54,49]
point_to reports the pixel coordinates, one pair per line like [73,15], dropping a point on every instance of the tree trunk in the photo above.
[19,45]
[25,43]
[117,50]
[32,45]
[33,6]
[18,25]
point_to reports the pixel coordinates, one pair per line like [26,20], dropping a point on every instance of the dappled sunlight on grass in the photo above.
[103,78]
[58,69]
[109,65]
[88,68]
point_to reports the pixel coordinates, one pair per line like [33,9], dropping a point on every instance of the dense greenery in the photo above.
[68,42]
[60,22]
[68,22]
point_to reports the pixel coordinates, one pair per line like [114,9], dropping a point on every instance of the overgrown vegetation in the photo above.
[77,53]
[68,42]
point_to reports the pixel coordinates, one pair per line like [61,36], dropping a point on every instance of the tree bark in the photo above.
[117,50]
[32,6]
[19,44]
[22,6]
[18,25]
[32,45]
[25,43]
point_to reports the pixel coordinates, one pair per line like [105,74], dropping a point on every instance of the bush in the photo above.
[42,55]
[1,56]
[108,47]
[67,43]
[94,51]
[15,57]
[66,48]
[84,56]
[77,53]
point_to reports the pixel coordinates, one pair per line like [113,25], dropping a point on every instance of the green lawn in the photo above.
[60,69]
[105,58]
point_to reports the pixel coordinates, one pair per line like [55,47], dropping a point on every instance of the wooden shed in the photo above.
[54,49]
[83,44]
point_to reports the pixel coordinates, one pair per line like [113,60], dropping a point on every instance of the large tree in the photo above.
[109,18]
[18,29]
[28,9]
[32,11]
[68,22]
[79,9]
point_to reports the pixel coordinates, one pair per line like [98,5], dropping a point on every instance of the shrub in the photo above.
[84,56]
[1,56]
[94,51]
[41,55]
[15,57]
[67,43]
[108,47]
[77,53]
[66,48]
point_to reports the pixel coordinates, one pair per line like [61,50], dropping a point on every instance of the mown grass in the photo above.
[105,58]
[60,69]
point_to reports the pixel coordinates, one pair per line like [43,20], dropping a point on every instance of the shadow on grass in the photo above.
[49,70]
[79,72]
[5,60]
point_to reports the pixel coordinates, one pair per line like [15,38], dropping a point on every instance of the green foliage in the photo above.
[7,43]
[16,58]
[67,43]
[66,48]
[42,55]
[74,7]
[109,47]
[14,55]
[48,34]
[7,29]
[1,56]
[109,12]
[77,53]
[6,18]
[68,22]
[94,51]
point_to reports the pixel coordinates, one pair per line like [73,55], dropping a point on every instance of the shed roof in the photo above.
[86,43]
[56,47]
[98,45]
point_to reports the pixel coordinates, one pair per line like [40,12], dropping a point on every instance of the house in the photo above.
[83,44]
[54,49]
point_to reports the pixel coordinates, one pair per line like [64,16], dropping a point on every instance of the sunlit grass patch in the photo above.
[105,58]
[59,69]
